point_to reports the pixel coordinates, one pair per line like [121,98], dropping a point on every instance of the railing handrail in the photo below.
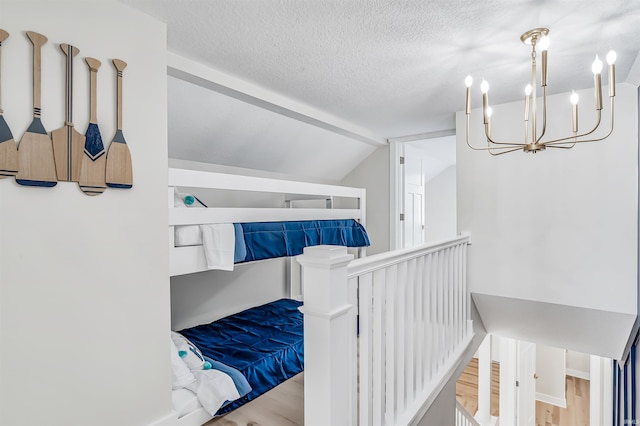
[382,260]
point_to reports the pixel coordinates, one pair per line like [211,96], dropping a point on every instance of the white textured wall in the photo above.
[440,205]
[373,175]
[559,226]
[84,280]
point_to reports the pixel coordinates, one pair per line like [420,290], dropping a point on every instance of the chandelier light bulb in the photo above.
[611,57]
[574,98]
[484,86]
[596,67]
[544,43]
[468,81]
[527,90]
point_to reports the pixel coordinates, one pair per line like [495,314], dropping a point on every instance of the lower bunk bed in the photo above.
[258,349]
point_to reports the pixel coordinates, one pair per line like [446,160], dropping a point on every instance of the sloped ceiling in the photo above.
[395,68]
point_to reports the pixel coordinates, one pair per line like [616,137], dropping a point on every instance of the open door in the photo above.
[526,388]
[517,383]
[413,178]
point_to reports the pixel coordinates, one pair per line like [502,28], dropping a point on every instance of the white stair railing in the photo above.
[463,418]
[383,332]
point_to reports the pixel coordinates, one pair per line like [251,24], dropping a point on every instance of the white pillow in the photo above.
[182,376]
[189,353]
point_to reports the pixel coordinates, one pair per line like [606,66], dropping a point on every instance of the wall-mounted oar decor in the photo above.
[119,171]
[8,147]
[68,143]
[92,168]
[35,151]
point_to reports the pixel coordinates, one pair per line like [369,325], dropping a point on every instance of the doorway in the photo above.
[423,189]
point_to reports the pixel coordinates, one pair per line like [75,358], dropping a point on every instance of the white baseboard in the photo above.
[579,374]
[170,419]
[553,400]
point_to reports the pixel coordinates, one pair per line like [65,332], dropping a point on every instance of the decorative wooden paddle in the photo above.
[119,173]
[8,147]
[35,150]
[68,143]
[92,168]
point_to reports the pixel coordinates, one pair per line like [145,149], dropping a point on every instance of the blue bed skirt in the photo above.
[265,343]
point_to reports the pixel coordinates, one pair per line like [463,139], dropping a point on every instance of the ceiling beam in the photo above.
[209,78]
[424,136]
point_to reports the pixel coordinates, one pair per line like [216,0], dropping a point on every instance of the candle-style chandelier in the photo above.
[532,138]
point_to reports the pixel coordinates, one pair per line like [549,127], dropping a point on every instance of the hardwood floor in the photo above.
[577,394]
[282,406]
[467,388]
[577,411]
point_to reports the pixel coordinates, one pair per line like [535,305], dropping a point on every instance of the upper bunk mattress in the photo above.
[265,343]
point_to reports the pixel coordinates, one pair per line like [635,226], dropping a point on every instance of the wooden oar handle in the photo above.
[3,36]
[65,49]
[38,40]
[93,64]
[70,52]
[120,66]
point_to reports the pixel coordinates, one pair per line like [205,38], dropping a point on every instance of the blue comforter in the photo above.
[266,240]
[265,343]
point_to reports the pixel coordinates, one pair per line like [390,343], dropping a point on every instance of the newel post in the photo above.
[328,329]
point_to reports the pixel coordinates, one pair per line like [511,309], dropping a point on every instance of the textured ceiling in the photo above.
[396,68]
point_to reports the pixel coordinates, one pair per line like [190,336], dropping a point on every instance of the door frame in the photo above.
[396,184]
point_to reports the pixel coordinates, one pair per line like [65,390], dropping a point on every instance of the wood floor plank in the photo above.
[577,395]
[282,406]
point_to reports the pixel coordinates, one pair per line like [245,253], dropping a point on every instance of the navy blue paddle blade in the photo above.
[8,151]
[93,146]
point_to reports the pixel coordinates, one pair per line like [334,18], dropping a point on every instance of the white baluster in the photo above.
[378,353]
[409,367]
[365,287]
[400,328]
[390,345]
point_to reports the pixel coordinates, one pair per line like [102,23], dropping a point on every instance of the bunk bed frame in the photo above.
[190,259]
[186,260]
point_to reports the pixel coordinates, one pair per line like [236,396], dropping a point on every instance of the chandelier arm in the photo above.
[507,144]
[514,147]
[556,142]
[566,140]
[503,152]
[562,147]
[544,113]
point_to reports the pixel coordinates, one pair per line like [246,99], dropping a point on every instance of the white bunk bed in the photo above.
[191,259]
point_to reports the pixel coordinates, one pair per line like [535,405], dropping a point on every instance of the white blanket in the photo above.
[214,388]
[219,242]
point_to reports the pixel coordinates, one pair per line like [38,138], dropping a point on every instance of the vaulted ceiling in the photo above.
[393,68]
